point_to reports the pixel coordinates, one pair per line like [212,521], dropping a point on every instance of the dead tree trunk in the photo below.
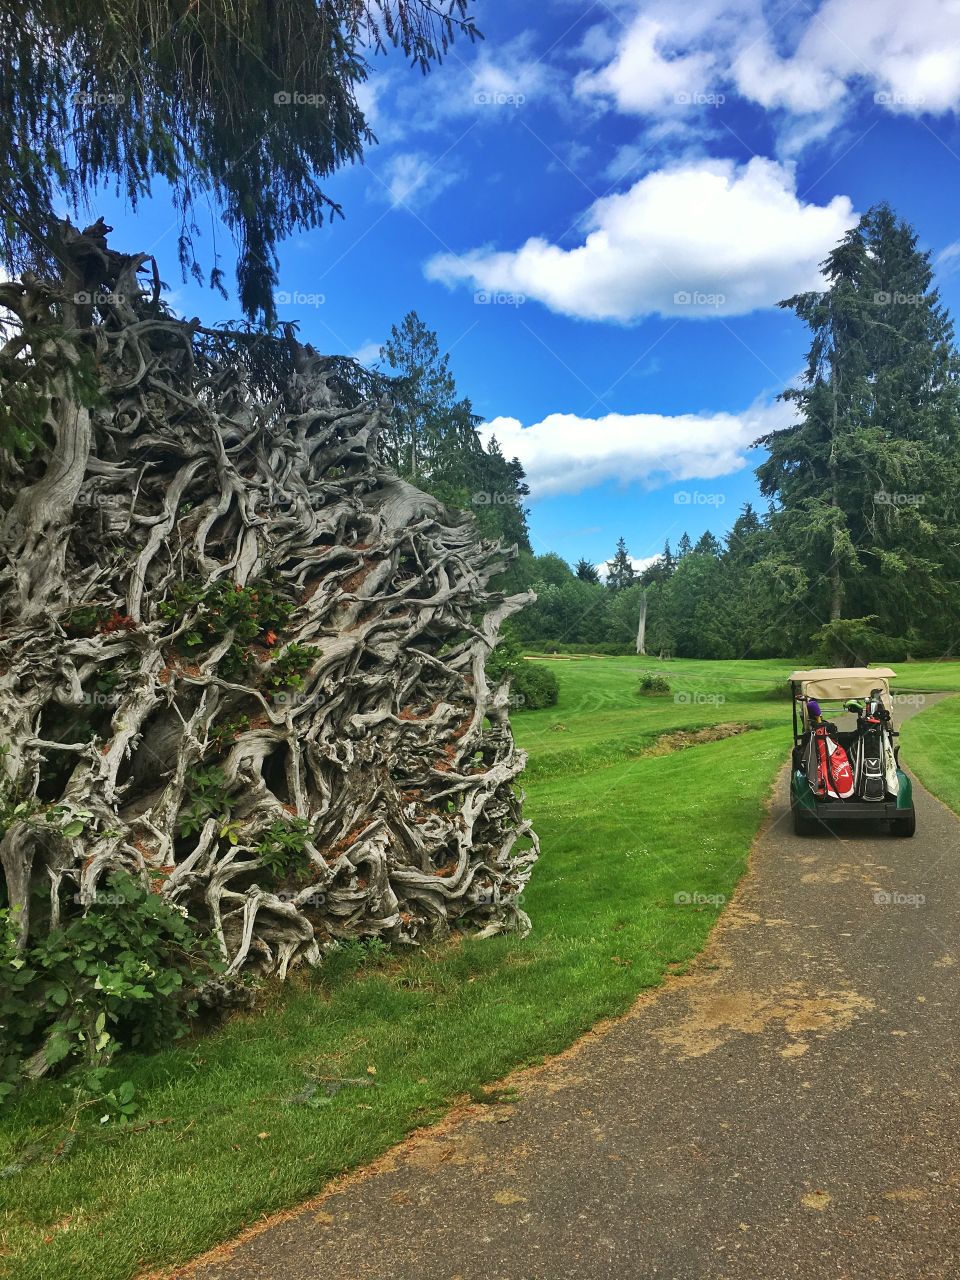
[243,656]
[642,625]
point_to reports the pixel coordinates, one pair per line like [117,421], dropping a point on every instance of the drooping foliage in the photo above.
[246,106]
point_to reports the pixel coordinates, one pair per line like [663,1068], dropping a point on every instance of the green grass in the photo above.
[621,835]
[931,748]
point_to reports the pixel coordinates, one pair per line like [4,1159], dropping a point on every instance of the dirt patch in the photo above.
[716,1016]
[683,738]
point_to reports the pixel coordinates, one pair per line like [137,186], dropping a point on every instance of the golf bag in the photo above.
[828,766]
[875,769]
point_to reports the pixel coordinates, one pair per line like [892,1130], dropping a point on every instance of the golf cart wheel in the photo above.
[803,824]
[905,826]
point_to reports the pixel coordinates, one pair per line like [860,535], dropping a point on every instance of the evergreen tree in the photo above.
[620,570]
[707,545]
[684,546]
[587,572]
[662,568]
[427,417]
[434,441]
[865,479]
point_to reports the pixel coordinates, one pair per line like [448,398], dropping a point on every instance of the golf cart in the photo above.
[849,773]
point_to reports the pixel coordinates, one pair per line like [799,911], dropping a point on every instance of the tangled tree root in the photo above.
[237,656]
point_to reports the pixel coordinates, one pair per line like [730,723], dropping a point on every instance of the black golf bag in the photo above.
[870,749]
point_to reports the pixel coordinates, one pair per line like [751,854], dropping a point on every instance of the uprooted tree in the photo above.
[239,659]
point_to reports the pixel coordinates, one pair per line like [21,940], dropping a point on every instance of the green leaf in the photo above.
[73,829]
[56,1048]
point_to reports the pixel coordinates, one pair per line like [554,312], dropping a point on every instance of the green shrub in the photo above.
[652,684]
[125,973]
[533,686]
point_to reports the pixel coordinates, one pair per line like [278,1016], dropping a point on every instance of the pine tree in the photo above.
[661,570]
[587,572]
[434,440]
[684,546]
[707,545]
[620,570]
[865,480]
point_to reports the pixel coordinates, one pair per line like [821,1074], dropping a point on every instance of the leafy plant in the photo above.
[282,846]
[288,669]
[124,973]
[206,797]
[256,612]
[222,734]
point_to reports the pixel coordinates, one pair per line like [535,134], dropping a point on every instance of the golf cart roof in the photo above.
[842,682]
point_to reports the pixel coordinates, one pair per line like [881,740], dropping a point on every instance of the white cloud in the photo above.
[701,238]
[566,453]
[367,354]
[487,85]
[802,61]
[640,77]
[414,179]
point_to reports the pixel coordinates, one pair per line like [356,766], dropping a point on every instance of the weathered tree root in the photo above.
[362,786]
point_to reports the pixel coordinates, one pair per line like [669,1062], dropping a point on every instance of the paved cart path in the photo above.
[788,1108]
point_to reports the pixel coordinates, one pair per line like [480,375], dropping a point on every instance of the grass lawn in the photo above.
[931,748]
[222,1140]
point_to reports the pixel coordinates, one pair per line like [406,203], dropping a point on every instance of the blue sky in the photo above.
[598,207]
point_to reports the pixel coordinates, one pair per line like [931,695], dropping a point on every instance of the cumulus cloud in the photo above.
[567,453]
[640,77]
[805,62]
[701,238]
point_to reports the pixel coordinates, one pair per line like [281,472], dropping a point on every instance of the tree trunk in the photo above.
[642,624]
